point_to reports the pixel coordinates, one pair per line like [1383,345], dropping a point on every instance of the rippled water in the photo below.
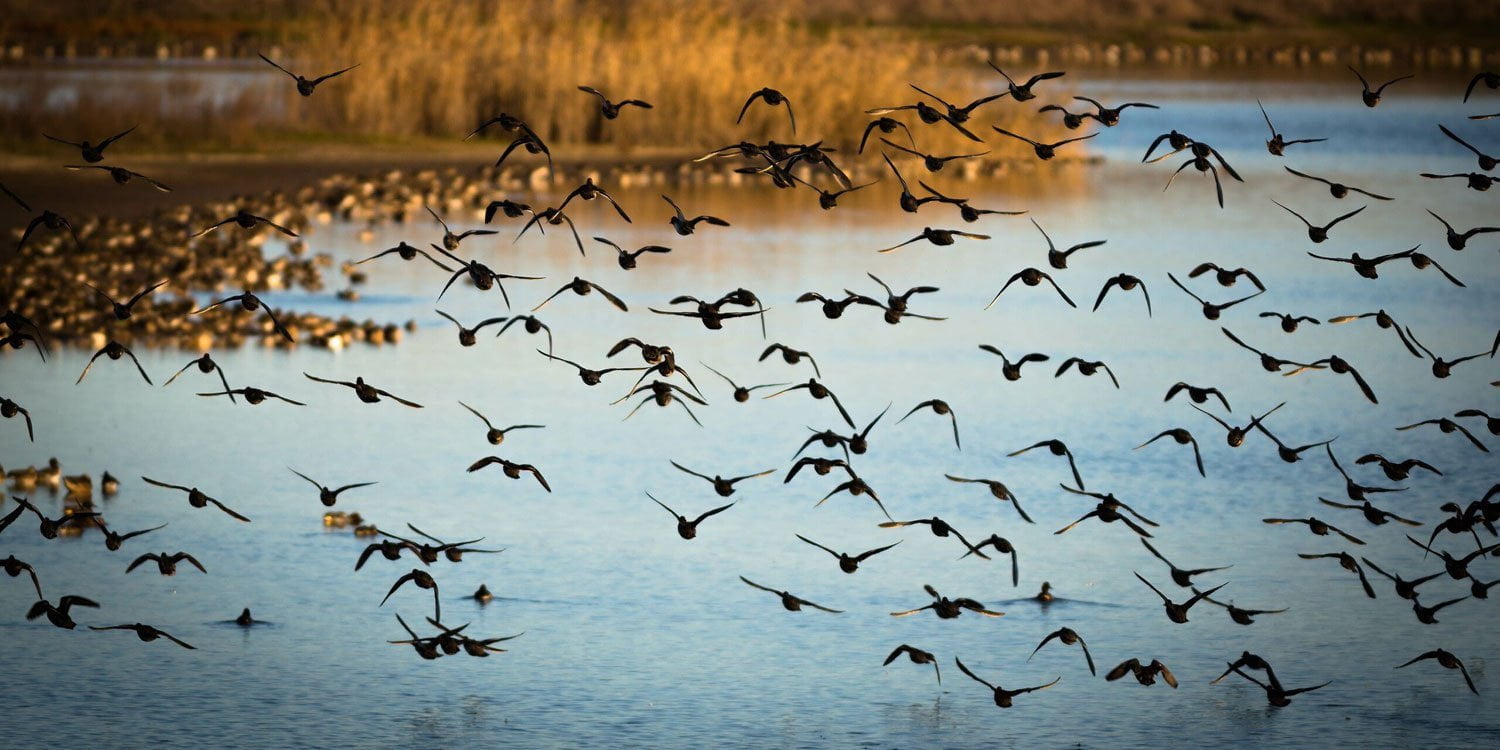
[635,637]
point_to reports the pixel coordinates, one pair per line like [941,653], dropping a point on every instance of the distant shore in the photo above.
[201,178]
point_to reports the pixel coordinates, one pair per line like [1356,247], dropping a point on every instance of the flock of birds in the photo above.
[1454,540]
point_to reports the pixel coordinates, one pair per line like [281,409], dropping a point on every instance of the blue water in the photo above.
[635,637]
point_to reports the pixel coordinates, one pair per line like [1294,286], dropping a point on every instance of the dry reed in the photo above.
[435,67]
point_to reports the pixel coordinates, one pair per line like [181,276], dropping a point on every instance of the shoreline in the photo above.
[198,179]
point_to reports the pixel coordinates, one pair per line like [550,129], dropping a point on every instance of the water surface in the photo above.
[636,637]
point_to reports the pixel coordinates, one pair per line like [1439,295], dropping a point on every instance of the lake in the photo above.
[636,637]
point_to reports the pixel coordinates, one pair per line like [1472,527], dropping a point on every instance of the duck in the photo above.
[948,609]
[306,86]
[468,336]
[1428,615]
[742,393]
[1225,276]
[422,580]
[685,528]
[823,466]
[885,125]
[1212,311]
[1457,568]
[530,324]
[610,110]
[1404,588]
[197,498]
[327,495]
[367,393]
[407,252]
[629,260]
[1178,613]
[1045,595]
[14,568]
[966,211]
[1144,674]
[120,175]
[998,490]
[246,220]
[1057,448]
[113,539]
[59,615]
[1371,513]
[166,563]
[771,97]
[819,392]
[1180,576]
[1125,282]
[1319,233]
[1278,144]
[10,409]
[246,620]
[941,408]
[512,470]
[1339,190]
[1022,92]
[1182,437]
[939,237]
[1110,116]
[1031,276]
[1446,660]
[1043,151]
[113,350]
[1003,698]
[1372,98]
[917,656]
[1290,322]
[1486,162]
[493,435]
[847,562]
[1347,562]
[685,226]
[1441,367]
[1490,79]
[1277,695]
[724,487]
[205,365]
[1456,240]
[789,601]
[1070,120]
[932,162]
[123,310]
[939,528]
[1396,470]
[1240,615]
[1447,426]
[1234,434]
[1317,527]
[1475,181]
[1068,637]
[249,302]
[253,396]
[145,632]
[93,153]
[482,277]
[50,528]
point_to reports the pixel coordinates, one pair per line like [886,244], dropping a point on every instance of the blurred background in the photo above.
[187,71]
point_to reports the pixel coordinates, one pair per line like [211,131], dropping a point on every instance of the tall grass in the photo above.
[438,67]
